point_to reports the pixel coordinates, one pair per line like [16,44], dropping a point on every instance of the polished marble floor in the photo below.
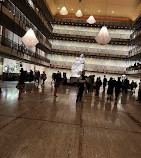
[41,126]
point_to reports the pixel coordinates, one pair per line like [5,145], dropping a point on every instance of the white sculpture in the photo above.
[78,66]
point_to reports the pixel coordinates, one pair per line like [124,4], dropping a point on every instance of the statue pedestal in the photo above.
[74,79]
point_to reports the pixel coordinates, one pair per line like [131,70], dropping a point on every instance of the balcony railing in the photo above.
[135,51]
[95,51]
[20,15]
[20,48]
[136,33]
[90,67]
[89,33]
[23,19]
[46,23]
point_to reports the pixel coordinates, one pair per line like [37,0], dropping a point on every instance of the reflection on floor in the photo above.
[41,126]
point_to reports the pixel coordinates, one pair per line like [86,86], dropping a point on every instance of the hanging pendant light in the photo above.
[91,20]
[103,36]
[79,13]
[63,11]
[29,39]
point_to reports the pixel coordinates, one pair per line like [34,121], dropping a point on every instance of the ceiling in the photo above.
[104,8]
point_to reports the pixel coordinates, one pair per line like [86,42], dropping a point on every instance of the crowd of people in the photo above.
[85,83]
[114,86]
[29,77]
[136,66]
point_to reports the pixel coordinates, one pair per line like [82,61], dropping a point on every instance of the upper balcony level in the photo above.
[22,10]
[83,31]
[90,67]
[135,53]
[90,48]
[20,24]
[18,51]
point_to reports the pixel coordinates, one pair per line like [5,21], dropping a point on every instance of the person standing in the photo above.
[59,75]
[104,83]
[21,83]
[139,92]
[118,86]
[82,81]
[88,82]
[110,88]
[31,76]
[92,83]
[43,77]
[56,83]
[123,87]
[98,85]
[38,76]
[0,90]
[126,85]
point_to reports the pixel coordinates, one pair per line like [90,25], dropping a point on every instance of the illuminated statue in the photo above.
[78,66]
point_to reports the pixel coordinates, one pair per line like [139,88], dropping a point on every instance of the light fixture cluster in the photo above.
[90,20]
[102,37]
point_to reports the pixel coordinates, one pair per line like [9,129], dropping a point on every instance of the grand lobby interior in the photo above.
[64,38]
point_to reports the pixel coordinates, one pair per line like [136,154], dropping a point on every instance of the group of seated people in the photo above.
[136,66]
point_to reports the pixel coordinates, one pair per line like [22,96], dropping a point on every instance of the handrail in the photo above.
[104,51]
[20,48]
[90,33]
[135,51]
[89,65]
[136,33]
[18,14]
[64,64]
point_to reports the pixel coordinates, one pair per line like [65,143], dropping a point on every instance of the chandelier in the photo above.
[91,20]
[103,36]
[79,13]
[63,11]
[29,39]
